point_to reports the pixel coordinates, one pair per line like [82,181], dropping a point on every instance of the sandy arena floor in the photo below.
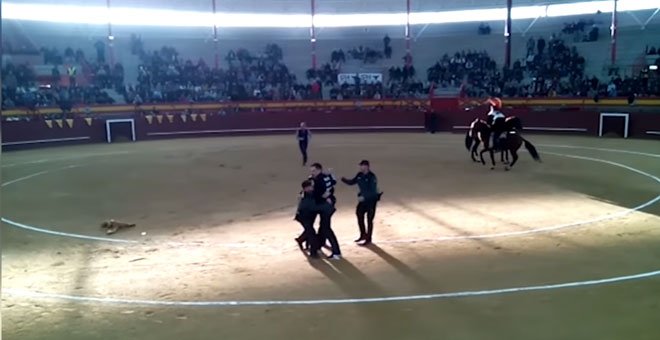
[217,214]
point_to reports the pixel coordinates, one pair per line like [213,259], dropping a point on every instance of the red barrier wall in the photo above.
[36,132]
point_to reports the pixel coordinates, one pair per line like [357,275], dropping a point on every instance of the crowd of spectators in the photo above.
[550,68]
[165,77]
[23,88]
[473,70]
[558,70]
[484,29]
[551,71]
[578,30]
[366,54]
[652,51]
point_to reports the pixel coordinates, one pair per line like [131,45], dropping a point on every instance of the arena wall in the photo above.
[38,130]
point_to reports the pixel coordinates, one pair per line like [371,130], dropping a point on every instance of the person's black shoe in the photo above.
[314,256]
[362,238]
[334,257]
[365,243]
[300,243]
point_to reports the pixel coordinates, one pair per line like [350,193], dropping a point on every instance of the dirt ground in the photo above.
[214,223]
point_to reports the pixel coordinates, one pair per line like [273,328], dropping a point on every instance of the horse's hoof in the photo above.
[492,168]
[506,168]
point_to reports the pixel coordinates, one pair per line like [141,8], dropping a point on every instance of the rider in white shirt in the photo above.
[494,114]
[496,119]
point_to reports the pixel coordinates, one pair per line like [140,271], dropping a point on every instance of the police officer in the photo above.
[306,214]
[368,197]
[303,136]
[324,192]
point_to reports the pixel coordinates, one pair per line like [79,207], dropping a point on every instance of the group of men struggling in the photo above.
[318,199]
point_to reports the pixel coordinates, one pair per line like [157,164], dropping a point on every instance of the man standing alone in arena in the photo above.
[303,135]
[368,197]
[324,192]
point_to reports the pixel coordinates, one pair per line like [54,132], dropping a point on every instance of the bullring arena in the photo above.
[564,248]
[568,242]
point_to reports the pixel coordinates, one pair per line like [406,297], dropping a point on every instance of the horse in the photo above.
[472,141]
[481,132]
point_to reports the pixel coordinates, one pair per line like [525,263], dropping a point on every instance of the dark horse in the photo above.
[480,132]
[511,123]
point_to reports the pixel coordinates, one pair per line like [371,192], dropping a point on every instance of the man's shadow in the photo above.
[401,267]
[346,276]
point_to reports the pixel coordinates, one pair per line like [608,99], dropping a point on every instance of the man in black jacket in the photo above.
[303,136]
[324,192]
[306,214]
[368,197]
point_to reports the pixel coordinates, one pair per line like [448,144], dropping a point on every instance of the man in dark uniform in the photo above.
[324,192]
[306,214]
[303,135]
[368,197]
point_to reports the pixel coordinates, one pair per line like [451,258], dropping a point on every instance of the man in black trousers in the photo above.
[303,135]
[368,197]
[324,192]
[306,214]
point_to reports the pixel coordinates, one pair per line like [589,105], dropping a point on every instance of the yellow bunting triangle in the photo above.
[59,122]
[149,118]
[170,118]
[69,122]
[193,116]
[49,123]
[159,118]
[88,121]
[203,116]
[184,118]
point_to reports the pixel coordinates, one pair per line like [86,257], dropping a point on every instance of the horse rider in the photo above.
[496,120]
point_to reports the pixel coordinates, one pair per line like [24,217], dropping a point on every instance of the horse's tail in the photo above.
[468,139]
[532,150]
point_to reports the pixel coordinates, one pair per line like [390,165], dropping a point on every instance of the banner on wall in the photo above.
[88,121]
[60,123]
[159,118]
[69,122]
[149,118]
[365,78]
[184,118]
[170,118]
[193,116]
[203,116]
[49,123]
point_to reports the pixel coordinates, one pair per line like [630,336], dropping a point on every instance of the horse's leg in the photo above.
[481,155]
[514,155]
[475,148]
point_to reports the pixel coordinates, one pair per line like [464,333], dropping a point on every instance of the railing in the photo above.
[331,105]
[265,105]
